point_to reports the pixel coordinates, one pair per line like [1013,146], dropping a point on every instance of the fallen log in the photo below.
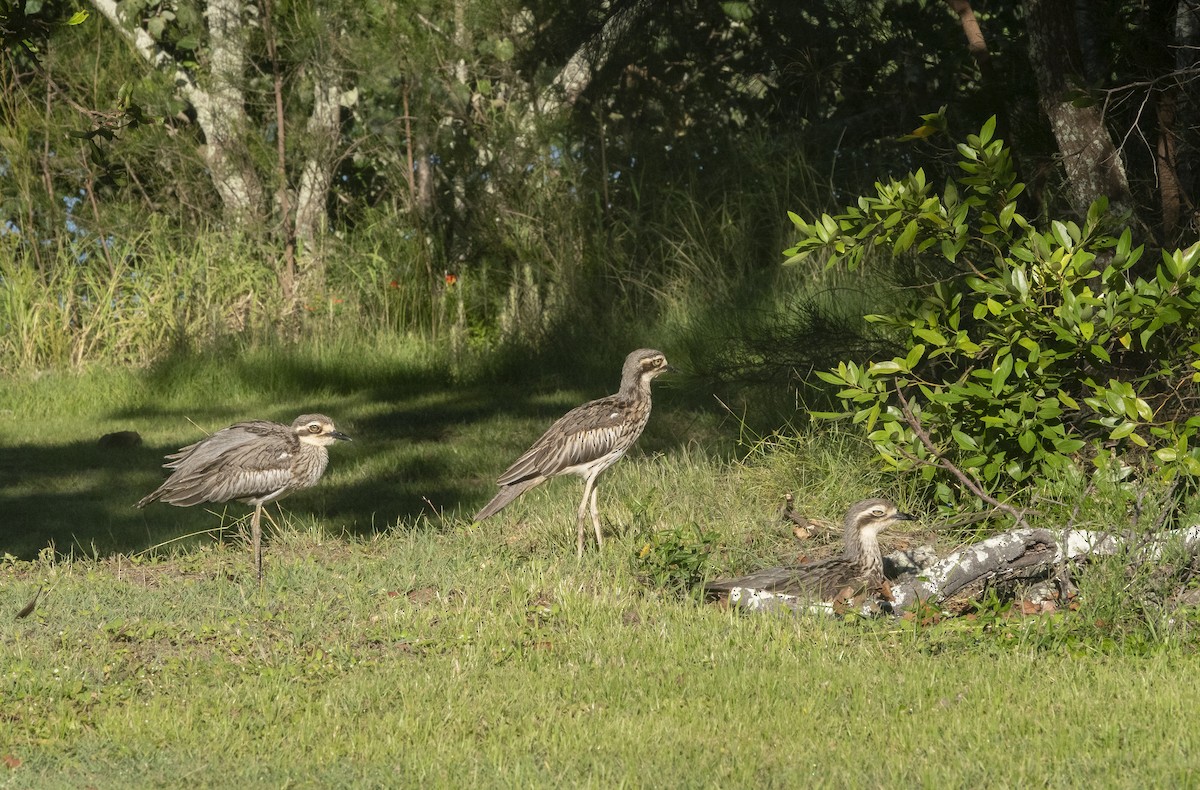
[1015,556]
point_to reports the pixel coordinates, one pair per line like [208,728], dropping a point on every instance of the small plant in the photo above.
[675,559]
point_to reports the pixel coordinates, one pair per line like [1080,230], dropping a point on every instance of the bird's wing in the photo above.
[211,450]
[245,460]
[766,579]
[586,433]
[816,580]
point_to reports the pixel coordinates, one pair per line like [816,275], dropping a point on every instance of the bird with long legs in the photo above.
[256,462]
[586,441]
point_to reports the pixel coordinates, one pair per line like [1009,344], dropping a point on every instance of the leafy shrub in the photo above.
[676,558]
[1042,346]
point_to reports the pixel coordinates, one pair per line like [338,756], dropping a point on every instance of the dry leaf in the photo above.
[28,608]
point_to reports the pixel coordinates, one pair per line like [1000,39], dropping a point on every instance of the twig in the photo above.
[972,486]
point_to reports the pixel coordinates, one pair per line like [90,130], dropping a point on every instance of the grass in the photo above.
[422,657]
[394,643]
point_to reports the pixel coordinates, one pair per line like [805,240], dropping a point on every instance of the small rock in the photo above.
[120,439]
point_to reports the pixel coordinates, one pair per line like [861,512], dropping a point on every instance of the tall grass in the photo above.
[129,301]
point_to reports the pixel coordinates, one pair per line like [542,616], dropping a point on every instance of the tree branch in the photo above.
[915,424]
[573,79]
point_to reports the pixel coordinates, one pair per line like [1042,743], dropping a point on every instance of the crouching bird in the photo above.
[858,569]
[586,440]
[255,462]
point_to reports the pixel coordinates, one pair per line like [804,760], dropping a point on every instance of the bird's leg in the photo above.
[596,518]
[589,495]
[579,524]
[256,540]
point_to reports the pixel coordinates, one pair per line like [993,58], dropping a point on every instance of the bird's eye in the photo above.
[314,427]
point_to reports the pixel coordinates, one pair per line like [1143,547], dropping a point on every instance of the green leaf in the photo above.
[1069,446]
[1006,215]
[884,368]
[1061,235]
[738,12]
[989,128]
[906,238]
[505,50]
[931,336]
[1122,430]
[78,18]
[1020,282]
[1000,373]
[1143,409]
[963,440]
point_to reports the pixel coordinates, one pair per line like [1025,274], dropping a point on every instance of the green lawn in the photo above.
[394,644]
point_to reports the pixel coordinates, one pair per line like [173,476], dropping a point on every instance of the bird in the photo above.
[859,568]
[256,462]
[586,441]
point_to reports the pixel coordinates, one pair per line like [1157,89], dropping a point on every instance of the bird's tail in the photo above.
[151,497]
[507,494]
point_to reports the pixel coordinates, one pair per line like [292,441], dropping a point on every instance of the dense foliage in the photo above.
[1042,344]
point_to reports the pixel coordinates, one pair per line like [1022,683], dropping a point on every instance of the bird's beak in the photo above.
[904,517]
[340,435]
[670,368]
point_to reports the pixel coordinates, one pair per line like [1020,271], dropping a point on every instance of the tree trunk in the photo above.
[316,176]
[1186,140]
[1091,161]
[220,109]
[223,116]
[573,79]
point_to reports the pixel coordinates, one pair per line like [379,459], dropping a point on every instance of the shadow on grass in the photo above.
[425,444]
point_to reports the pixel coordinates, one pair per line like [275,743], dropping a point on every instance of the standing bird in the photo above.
[859,568]
[255,462]
[586,440]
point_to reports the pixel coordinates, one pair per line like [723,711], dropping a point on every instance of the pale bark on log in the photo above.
[1019,554]
[1005,556]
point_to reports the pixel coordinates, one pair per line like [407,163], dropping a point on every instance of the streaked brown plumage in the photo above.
[255,462]
[586,441]
[860,567]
